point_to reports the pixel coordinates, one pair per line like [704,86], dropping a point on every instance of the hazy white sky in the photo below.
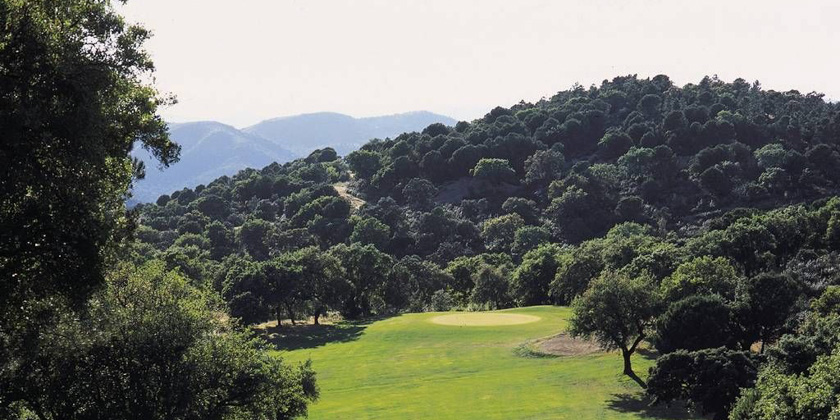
[242,61]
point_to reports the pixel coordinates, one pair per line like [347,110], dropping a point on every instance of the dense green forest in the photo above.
[698,218]
[84,332]
[703,221]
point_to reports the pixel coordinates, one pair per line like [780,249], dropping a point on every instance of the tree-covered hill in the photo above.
[701,219]
[562,171]
[628,150]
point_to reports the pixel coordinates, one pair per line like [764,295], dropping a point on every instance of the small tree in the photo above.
[254,236]
[419,193]
[715,181]
[614,144]
[702,276]
[464,270]
[764,304]
[245,290]
[320,277]
[212,206]
[527,238]
[695,323]
[221,240]
[364,163]
[524,207]
[708,380]
[162,200]
[370,231]
[491,289]
[494,170]
[441,301]
[543,167]
[367,270]
[530,282]
[575,270]
[499,233]
[649,104]
[616,311]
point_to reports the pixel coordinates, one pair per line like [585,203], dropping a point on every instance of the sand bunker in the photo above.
[565,345]
[483,319]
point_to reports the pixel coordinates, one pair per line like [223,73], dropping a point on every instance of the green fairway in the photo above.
[409,367]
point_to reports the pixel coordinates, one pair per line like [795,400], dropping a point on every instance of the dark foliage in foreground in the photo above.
[83,335]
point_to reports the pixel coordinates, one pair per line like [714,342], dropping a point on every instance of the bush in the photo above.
[491,290]
[495,171]
[441,301]
[695,323]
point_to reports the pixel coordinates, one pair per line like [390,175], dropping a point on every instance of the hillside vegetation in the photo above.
[629,150]
[699,219]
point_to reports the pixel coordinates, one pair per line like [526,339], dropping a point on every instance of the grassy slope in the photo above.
[409,368]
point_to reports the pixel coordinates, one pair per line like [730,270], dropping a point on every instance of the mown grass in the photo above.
[407,367]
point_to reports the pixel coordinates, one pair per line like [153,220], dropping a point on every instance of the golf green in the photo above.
[483,319]
[414,367]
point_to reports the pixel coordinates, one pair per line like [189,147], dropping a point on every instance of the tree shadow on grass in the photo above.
[296,337]
[640,404]
[648,353]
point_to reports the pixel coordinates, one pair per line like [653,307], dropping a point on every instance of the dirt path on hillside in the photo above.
[344,192]
[355,202]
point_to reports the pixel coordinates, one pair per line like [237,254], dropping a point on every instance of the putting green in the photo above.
[483,319]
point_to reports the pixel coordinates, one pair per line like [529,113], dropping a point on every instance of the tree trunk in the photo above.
[317,315]
[628,368]
[279,316]
[291,313]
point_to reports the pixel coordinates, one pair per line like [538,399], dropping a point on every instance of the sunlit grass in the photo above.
[408,367]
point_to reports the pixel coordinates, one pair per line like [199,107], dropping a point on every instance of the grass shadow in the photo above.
[640,404]
[308,336]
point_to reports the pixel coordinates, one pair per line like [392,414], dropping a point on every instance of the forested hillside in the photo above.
[629,150]
[697,218]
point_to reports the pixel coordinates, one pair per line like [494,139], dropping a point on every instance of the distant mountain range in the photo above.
[208,150]
[304,133]
[211,149]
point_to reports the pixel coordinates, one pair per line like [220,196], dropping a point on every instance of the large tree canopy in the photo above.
[148,342]
[154,347]
[72,105]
